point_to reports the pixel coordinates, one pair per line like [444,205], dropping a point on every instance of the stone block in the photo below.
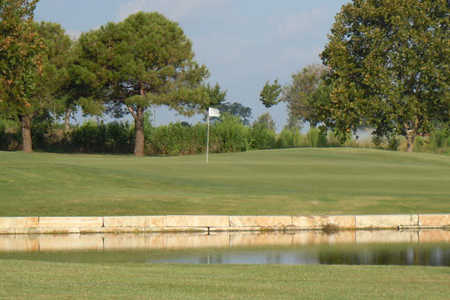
[18,222]
[69,225]
[319,222]
[261,221]
[197,221]
[437,220]
[385,221]
[135,221]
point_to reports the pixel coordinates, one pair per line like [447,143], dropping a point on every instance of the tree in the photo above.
[389,67]
[263,132]
[265,121]
[53,92]
[300,95]
[270,93]
[20,63]
[216,96]
[144,60]
[238,110]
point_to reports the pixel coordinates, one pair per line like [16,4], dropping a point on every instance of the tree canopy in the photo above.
[270,93]
[20,63]
[238,110]
[144,60]
[389,67]
[301,94]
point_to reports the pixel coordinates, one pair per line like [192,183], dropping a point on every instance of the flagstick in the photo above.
[207,142]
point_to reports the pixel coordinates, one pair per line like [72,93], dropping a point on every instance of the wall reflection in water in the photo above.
[425,247]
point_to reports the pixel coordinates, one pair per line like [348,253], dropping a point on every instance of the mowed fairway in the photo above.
[293,181]
[22,279]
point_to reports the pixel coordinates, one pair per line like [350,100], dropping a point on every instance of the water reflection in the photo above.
[426,255]
[426,247]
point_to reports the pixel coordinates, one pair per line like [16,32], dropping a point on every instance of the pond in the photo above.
[424,247]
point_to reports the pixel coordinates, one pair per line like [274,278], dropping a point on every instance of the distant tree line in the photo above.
[228,134]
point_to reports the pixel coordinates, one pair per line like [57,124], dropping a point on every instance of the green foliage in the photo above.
[9,135]
[226,135]
[55,63]
[377,141]
[144,60]
[393,143]
[114,137]
[288,138]
[440,140]
[216,96]
[176,139]
[265,121]
[333,140]
[300,94]
[316,138]
[389,67]
[20,60]
[270,94]
[229,135]
[263,133]
[238,110]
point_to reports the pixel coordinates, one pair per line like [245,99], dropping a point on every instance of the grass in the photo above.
[22,279]
[295,181]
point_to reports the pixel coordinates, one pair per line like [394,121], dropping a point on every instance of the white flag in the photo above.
[214,112]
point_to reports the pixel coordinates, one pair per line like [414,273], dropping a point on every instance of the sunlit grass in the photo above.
[295,181]
[49,280]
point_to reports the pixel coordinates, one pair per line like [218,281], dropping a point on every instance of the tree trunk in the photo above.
[67,120]
[27,143]
[410,138]
[139,130]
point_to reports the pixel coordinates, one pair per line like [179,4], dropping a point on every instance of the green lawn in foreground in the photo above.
[21,279]
[294,181]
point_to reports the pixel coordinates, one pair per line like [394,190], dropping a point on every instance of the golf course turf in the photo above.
[272,182]
[22,279]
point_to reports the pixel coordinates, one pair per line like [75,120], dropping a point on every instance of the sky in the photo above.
[244,43]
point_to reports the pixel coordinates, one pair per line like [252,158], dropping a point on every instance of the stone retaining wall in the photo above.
[121,224]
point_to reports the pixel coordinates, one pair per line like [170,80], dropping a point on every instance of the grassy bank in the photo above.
[23,279]
[295,181]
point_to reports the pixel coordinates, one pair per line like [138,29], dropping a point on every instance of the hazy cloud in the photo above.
[312,22]
[173,9]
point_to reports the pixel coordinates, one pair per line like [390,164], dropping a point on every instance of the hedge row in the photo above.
[227,135]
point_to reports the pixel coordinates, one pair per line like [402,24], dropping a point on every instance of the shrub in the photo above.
[262,137]
[316,138]
[377,141]
[393,143]
[289,137]
[229,135]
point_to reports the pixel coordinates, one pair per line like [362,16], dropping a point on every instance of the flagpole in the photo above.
[207,142]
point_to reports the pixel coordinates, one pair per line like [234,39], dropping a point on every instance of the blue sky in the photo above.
[243,43]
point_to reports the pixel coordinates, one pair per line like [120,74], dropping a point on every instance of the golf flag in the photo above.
[213,112]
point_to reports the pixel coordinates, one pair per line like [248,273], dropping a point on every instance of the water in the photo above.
[425,247]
